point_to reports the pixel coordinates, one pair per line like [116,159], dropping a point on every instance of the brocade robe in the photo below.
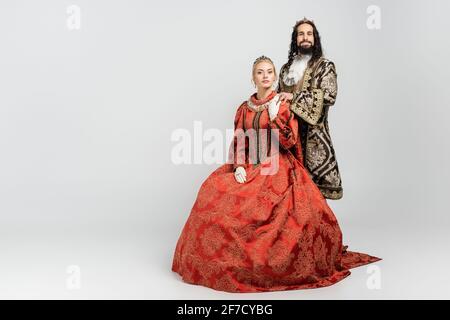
[314,94]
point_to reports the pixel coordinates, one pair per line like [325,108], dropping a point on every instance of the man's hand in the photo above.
[284,96]
[274,106]
[240,175]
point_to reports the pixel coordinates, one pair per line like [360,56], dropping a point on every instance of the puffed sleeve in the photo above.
[280,87]
[240,143]
[310,103]
[287,125]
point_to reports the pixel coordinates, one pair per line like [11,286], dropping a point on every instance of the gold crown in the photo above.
[304,20]
[262,58]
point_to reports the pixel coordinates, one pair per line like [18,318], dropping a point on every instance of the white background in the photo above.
[86,175]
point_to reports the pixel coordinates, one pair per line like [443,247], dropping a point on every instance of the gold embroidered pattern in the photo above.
[312,98]
[317,153]
[306,79]
[308,105]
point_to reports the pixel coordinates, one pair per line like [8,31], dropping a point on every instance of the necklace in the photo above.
[260,107]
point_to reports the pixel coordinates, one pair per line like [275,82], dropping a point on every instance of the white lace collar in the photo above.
[296,69]
[260,107]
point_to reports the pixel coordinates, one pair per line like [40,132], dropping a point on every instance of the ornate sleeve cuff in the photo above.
[308,105]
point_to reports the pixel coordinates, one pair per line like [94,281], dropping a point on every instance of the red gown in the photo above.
[274,232]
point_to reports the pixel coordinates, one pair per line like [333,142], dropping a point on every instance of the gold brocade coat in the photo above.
[313,96]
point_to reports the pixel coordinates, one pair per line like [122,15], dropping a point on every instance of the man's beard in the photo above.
[305,50]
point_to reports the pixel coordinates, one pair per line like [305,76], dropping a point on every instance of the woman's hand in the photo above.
[240,175]
[286,96]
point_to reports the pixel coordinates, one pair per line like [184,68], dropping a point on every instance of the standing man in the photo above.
[309,82]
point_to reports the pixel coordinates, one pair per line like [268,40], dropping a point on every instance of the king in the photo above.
[309,82]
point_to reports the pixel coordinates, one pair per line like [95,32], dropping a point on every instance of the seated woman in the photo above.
[260,223]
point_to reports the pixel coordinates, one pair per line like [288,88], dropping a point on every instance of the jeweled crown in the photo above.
[304,20]
[262,58]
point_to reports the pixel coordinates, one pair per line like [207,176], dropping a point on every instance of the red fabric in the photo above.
[274,232]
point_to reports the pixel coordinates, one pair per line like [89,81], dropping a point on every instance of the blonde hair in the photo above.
[263,59]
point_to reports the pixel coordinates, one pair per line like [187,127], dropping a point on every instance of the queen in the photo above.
[253,231]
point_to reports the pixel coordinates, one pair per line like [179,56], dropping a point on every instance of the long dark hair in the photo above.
[317,47]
